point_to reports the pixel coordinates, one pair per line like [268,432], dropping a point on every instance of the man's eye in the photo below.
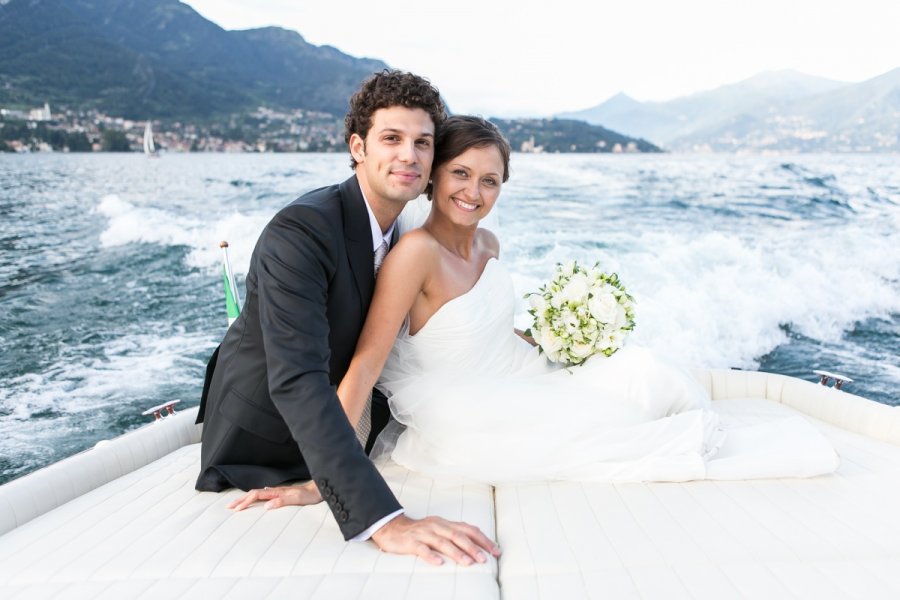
[424,143]
[391,138]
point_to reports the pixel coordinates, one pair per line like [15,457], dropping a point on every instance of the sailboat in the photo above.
[149,147]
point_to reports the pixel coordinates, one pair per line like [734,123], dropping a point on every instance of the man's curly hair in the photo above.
[386,89]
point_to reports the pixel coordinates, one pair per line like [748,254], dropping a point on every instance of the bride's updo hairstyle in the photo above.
[462,132]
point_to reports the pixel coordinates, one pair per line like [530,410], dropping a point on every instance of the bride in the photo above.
[479,401]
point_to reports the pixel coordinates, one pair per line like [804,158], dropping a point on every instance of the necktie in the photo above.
[380,253]
[364,427]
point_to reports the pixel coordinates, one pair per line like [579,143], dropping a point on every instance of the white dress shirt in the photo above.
[377,239]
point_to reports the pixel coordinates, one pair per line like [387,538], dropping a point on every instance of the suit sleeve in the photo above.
[294,267]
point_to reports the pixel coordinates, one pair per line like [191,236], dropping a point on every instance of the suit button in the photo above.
[343,516]
[333,497]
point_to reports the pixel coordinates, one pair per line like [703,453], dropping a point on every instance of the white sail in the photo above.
[149,147]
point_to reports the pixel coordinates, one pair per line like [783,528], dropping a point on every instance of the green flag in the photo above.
[232,300]
[231,305]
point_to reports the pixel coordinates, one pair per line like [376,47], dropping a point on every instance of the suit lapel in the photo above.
[395,235]
[358,234]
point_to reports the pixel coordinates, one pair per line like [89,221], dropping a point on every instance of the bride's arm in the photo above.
[400,280]
[525,337]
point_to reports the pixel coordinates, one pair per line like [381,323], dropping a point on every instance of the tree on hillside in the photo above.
[114,141]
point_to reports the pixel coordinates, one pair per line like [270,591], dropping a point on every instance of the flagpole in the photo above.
[232,297]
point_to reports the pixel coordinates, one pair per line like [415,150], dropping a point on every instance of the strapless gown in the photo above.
[477,401]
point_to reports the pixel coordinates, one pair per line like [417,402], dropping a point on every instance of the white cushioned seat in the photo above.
[37,493]
[835,536]
[150,534]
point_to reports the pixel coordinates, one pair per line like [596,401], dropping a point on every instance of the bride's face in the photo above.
[467,186]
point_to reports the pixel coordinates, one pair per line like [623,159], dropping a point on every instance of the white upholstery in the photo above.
[28,497]
[828,537]
[123,521]
[843,409]
[150,534]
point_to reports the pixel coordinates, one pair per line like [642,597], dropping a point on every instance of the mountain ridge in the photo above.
[120,55]
[776,110]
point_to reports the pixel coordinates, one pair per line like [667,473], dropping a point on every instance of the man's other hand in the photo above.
[285,495]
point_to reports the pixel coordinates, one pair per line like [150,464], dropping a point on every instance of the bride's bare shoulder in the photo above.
[490,242]
[416,242]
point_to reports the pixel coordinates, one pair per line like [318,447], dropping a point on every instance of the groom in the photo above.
[270,410]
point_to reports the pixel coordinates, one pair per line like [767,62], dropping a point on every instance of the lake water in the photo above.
[111,294]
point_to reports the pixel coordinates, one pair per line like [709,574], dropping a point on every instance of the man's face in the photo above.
[394,160]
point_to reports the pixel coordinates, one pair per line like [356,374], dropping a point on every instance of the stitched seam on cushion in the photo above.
[527,542]
[838,516]
[88,508]
[205,510]
[647,536]
[568,541]
[272,543]
[237,543]
[134,542]
[311,538]
[399,493]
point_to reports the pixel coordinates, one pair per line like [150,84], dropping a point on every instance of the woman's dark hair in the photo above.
[462,132]
[384,90]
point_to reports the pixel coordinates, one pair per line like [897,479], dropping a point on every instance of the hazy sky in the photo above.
[530,58]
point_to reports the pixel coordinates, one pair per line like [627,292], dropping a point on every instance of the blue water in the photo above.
[111,300]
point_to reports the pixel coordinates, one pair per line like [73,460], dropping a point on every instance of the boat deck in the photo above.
[148,534]
[836,536]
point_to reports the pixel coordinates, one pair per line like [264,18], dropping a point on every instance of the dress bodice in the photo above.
[478,401]
[472,333]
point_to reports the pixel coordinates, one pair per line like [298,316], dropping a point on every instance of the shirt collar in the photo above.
[377,236]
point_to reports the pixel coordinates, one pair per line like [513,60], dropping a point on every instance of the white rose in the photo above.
[605,340]
[621,318]
[538,303]
[576,290]
[603,307]
[570,321]
[616,339]
[582,351]
[549,342]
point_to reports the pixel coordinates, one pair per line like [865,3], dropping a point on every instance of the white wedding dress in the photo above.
[479,402]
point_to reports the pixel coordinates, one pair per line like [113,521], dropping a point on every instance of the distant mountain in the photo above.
[623,113]
[781,110]
[160,58]
[567,135]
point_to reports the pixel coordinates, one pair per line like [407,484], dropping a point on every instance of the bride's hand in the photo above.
[286,495]
[527,338]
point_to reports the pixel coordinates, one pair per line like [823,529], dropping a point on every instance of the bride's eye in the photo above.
[490,181]
[460,172]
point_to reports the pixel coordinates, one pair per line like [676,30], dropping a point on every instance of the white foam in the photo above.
[130,366]
[715,300]
[128,223]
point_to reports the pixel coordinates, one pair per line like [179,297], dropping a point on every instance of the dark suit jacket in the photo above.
[270,408]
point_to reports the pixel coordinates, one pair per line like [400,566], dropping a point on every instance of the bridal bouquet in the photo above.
[579,313]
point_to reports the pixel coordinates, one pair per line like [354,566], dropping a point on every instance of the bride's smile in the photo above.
[467,187]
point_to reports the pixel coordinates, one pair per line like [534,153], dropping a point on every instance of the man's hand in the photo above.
[432,535]
[300,495]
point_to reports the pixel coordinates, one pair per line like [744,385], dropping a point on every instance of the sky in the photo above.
[537,58]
